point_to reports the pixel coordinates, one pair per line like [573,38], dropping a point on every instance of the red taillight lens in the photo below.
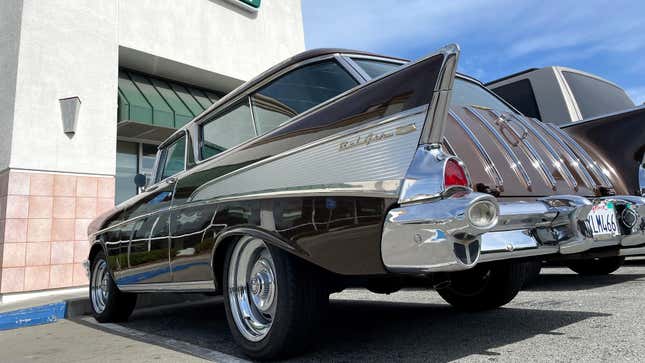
[454,174]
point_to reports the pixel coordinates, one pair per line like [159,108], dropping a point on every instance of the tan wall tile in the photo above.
[85,207]
[18,183]
[64,207]
[38,254]
[106,188]
[86,186]
[36,278]
[80,277]
[81,251]
[103,205]
[63,230]
[41,184]
[40,207]
[17,206]
[13,280]
[60,275]
[15,230]
[62,252]
[80,229]
[39,230]
[65,185]
[13,255]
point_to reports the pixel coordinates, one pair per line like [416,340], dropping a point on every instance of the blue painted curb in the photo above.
[36,315]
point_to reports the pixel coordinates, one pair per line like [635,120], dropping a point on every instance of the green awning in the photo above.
[159,102]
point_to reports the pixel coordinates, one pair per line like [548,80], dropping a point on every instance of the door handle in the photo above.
[171,180]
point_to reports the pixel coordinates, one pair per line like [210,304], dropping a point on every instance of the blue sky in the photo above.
[497,37]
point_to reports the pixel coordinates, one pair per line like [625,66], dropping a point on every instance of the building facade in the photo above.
[132,72]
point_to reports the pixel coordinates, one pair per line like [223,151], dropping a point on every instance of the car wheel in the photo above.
[484,287]
[107,302]
[274,302]
[600,266]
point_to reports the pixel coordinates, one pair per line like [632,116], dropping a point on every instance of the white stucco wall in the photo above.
[58,48]
[10,14]
[213,34]
[66,50]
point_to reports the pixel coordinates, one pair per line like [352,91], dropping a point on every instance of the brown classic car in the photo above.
[339,168]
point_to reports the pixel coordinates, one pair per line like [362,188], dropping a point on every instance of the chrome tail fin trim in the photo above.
[489,167]
[513,161]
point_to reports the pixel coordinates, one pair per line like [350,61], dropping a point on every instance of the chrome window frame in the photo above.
[218,110]
[175,137]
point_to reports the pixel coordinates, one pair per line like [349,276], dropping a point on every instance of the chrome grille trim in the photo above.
[490,167]
[558,163]
[575,161]
[591,164]
[531,152]
[513,161]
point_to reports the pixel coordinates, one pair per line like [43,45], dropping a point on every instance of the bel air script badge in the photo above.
[364,140]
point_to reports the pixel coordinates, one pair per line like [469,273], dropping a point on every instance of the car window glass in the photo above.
[375,68]
[596,97]
[174,158]
[298,91]
[466,93]
[229,129]
[520,95]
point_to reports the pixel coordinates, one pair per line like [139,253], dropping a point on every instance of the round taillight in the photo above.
[454,174]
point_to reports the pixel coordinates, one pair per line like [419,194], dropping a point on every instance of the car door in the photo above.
[149,238]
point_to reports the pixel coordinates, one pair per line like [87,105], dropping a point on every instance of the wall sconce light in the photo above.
[69,108]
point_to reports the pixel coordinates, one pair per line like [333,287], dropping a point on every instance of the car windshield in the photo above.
[465,93]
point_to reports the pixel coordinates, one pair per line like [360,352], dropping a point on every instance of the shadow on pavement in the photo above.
[372,330]
[575,282]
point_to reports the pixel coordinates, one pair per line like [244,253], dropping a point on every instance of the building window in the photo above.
[131,159]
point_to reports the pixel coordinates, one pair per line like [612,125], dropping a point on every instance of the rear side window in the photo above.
[229,129]
[467,93]
[596,97]
[520,95]
[375,68]
[298,91]
[173,159]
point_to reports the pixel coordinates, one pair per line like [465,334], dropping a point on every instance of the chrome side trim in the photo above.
[530,152]
[193,286]
[513,161]
[377,189]
[558,163]
[573,158]
[489,166]
[438,108]
[591,164]
[379,151]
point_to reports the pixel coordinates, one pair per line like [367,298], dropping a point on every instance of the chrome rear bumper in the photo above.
[435,235]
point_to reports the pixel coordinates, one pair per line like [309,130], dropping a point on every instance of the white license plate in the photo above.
[602,220]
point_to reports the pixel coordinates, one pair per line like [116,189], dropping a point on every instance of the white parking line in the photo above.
[177,345]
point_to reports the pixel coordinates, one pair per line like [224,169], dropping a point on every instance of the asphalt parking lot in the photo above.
[562,317]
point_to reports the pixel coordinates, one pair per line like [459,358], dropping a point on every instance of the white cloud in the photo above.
[637,94]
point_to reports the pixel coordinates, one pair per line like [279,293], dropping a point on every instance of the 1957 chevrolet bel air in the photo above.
[340,168]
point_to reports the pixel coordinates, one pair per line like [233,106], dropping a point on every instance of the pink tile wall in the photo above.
[43,224]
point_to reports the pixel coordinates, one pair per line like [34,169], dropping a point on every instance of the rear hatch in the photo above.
[510,155]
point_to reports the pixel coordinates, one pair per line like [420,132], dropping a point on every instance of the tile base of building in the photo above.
[43,227]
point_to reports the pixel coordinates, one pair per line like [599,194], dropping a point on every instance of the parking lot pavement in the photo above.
[563,317]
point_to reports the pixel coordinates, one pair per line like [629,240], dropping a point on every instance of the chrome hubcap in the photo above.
[99,291]
[252,288]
